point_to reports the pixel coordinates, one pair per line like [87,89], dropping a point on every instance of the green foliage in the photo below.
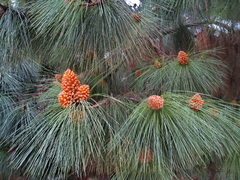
[115,134]
[74,31]
[59,141]
[18,86]
[178,137]
[15,37]
[230,167]
[202,74]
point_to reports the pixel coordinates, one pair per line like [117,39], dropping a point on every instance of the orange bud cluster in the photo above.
[72,90]
[183,58]
[196,102]
[145,155]
[155,102]
[136,17]
[138,73]
[158,64]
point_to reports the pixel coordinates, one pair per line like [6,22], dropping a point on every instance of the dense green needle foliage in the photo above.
[61,141]
[124,104]
[230,166]
[15,37]
[74,32]
[178,137]
[201,74]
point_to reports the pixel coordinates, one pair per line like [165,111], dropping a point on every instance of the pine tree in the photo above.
[104,90]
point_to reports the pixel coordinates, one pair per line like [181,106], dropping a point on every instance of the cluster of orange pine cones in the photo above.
[72,90]
[156,102]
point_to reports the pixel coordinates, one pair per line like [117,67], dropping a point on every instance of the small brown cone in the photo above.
[155,102]
[136,17]
[76,116]
[145,155]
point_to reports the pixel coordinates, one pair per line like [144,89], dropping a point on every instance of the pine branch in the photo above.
[100,104]
[174,28]
[134,99]
[4,8]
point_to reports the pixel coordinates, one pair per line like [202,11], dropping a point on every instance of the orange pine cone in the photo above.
[145,155]
[64,99]
[70,81]
[155,102]
[82,93]
[138,73]
[183,58]
[196,102]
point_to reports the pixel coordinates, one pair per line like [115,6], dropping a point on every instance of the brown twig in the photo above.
[133,99]
[100,104]
[172,29]
[4,8]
